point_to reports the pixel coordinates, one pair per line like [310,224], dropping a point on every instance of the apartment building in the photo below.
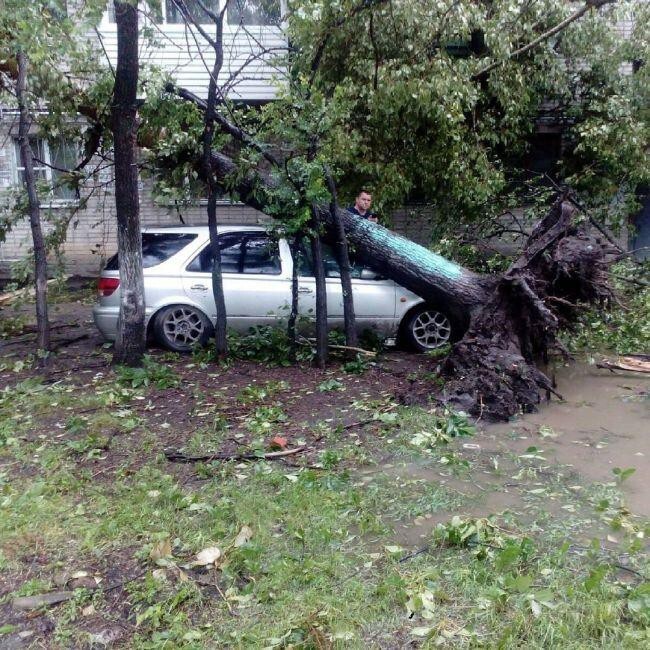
[252,42]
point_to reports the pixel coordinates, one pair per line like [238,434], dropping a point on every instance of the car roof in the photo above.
[198,230]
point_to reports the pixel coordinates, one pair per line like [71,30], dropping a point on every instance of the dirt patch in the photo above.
[336,415]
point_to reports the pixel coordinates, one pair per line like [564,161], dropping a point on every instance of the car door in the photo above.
[374,296]
[257,285]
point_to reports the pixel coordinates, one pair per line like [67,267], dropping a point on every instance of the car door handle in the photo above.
[198,287]
[305,290]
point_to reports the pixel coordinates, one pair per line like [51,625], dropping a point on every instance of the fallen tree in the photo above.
[512,319]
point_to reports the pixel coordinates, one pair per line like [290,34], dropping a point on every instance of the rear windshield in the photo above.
[156,248]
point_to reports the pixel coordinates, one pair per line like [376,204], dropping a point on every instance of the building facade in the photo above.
[253,40]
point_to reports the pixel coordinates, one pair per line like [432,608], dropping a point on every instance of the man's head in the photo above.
[363,201]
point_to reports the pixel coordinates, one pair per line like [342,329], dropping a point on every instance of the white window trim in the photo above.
[45,202]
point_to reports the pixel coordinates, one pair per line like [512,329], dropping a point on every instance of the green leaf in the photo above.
[595,577]
[520,583]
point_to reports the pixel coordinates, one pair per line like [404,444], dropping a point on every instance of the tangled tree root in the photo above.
[492,372]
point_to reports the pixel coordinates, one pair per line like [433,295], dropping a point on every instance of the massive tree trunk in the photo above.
[431,276]
[38,241]
[512,319]
[130,343]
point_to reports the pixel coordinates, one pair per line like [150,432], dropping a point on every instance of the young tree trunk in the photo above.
[130,343]
[343,259]
[220,340]
[293,314]
[321,291]
[38,241]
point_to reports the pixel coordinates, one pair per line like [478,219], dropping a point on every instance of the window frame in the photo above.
[329,257]
[239,24]
[45,167]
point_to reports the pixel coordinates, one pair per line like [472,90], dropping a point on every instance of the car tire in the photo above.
[182,328]
[427,328]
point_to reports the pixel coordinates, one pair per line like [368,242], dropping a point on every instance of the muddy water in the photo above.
[603,423]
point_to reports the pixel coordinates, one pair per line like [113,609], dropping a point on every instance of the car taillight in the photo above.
[107,286]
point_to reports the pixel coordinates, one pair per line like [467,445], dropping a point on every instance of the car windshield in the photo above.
[156,248]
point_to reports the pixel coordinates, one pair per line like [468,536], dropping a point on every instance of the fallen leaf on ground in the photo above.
[161,550]
[107,637]
[243,536]
[279,442]
[207,556]
[159,574]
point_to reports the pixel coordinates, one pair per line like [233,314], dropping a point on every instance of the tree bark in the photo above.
[293,313]
[130,343]
[220,340]
[321,290]
[38,241]
[343,259]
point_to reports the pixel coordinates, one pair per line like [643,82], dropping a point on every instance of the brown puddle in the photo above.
[603,423]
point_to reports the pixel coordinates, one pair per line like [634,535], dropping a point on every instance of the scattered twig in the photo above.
[63,370]
[349,348]
[361,423]
[420,551]
[225,600]
[179,457]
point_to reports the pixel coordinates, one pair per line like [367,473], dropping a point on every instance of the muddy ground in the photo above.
[602,424]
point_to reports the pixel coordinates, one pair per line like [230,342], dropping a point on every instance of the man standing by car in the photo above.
[362,205]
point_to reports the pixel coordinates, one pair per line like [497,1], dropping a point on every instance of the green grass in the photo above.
[322,567]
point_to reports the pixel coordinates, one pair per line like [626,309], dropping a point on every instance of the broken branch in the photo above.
[179,457]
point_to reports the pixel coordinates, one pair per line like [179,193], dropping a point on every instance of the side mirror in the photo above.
[369,274]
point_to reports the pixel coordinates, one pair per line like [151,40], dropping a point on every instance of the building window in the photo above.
[254,12]
[174,16]
[240,12]
[51,161]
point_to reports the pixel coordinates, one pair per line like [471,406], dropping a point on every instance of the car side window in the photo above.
[241,252]
[306,264]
